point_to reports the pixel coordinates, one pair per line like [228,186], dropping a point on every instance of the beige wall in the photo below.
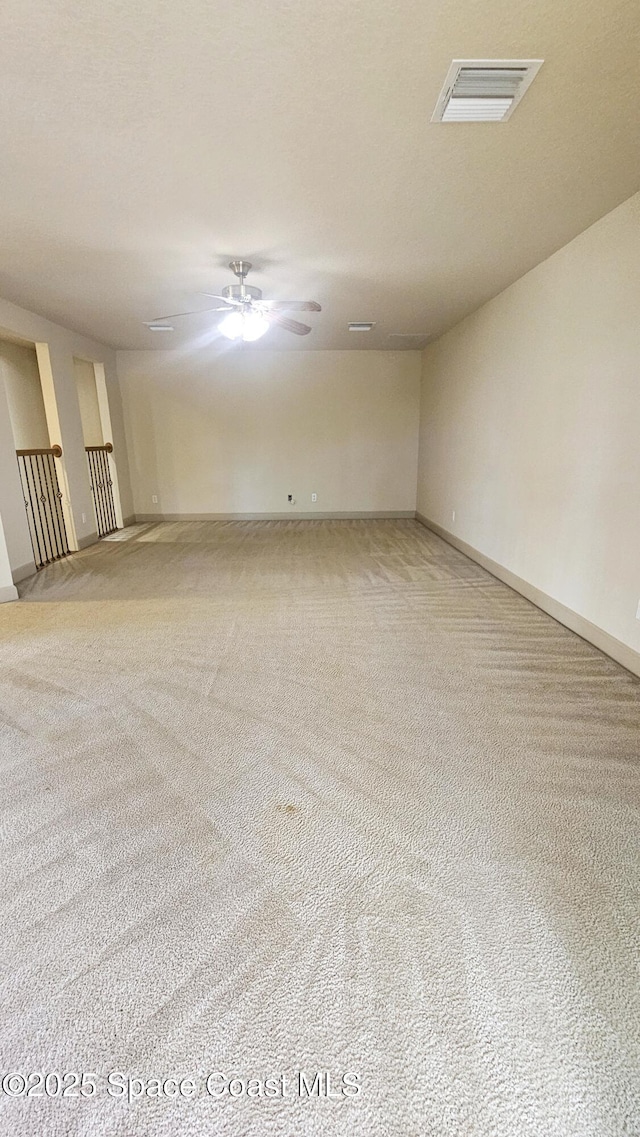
[19,369]
[88,401]
[236,432]
[530,426]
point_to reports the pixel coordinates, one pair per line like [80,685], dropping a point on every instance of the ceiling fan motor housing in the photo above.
[244,292]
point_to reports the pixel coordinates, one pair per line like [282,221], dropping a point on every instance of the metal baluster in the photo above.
[51,488]
[37,481]
[43,503]
[92,482]
[113,524]
[48,506]
[56,508]
[43,464]
[103,501]
[24,465]
[100,488]
[93,486]
[60,510]
[107,495]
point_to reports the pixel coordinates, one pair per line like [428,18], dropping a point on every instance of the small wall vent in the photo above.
[484,90]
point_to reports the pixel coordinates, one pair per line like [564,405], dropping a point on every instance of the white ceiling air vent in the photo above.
[484,90]
[362,326]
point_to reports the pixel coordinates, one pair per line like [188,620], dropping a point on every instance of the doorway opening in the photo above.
[39,460]
[96,430]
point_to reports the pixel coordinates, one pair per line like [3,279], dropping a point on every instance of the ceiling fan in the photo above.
[249,316]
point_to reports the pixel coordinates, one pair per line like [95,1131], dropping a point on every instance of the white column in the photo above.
[13,514]
[107,436]
[62,409]
[8,590]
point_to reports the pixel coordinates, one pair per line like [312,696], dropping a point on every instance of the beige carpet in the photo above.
[314,796]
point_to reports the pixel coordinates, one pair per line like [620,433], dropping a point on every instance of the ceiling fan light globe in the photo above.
[232,326]
[255,326]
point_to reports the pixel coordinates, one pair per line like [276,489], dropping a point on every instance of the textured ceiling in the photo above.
[145,144]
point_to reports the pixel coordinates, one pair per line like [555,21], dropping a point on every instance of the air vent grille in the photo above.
[474,82]
[476,110]
[484,90]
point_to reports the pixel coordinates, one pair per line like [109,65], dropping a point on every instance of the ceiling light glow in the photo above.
[255,326]
[247,326]
[231,326]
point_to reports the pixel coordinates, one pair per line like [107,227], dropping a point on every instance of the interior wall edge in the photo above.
[597,637]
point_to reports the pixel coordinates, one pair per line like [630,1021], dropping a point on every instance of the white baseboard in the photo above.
[594,635]
[7,593]
[90,539]
[317,516]
[23,571]
[130,520]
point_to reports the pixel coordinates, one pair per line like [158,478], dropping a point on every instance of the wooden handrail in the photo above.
[108,446]
[55,450]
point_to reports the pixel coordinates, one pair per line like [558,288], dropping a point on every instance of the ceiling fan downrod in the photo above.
[244,293]
[240,269]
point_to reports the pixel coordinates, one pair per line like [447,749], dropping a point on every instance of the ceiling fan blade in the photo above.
[289,325]
[223,298]
[196,312]
[294,306]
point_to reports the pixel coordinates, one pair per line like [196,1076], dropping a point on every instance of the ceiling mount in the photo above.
[240,268]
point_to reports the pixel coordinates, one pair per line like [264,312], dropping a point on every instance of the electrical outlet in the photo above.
[84,518]
[290,498]
[638,611]
[453,514]
[154,498]
[314,497]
